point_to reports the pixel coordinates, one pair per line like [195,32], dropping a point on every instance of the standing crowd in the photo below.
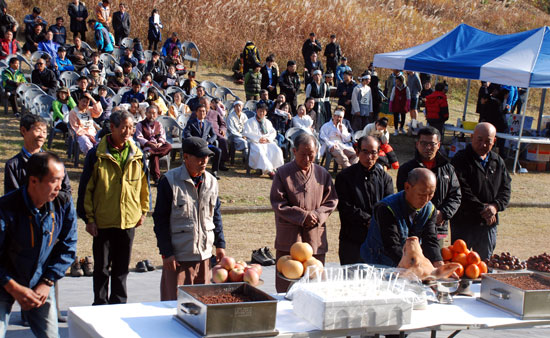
[126,116]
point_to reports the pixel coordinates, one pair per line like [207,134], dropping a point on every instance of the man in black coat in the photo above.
[344,91]
[486,188]
[156,67]
[78,13]
[310,46]
[44,77]
[270,77]
[359,188]
[289,82]
[333,53]
[121,24]
[447,193]
[198,126]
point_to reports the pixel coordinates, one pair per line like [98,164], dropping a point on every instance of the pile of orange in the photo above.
[471,264]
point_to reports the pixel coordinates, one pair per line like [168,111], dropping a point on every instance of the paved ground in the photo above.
[144,287]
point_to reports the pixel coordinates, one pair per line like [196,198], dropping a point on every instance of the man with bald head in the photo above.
[486,187]
[359,188]
[401,215]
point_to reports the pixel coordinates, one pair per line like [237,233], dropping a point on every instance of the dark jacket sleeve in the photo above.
[10,178]
[505,190]
[389,233]
[211,136]
[64,251]
[430,244]
[161,218]
[66,184]
[469,199]
[451,203]
[85,178]
[402,174]
[349,211]
[219,239]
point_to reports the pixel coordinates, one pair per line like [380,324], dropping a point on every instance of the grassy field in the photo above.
[523,231]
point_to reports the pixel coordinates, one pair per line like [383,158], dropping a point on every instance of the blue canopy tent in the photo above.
[520,59]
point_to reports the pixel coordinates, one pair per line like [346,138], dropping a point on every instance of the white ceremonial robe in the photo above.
[330,135]
[264,156]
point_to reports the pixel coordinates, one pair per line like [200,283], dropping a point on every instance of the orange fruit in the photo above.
[446,253]
[292,269]
[460,271]
[472,271]
[460,246]
[473,258]
[482,267]
[461,258]
[301,251]
[281,260]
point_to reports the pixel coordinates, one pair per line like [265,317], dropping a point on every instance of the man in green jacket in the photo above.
[253,83]
[113,199]
[11,78]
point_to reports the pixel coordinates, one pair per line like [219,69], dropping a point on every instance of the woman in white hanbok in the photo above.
[264,152]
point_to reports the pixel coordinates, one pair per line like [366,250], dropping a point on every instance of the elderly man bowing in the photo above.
[302,197]
[401,215]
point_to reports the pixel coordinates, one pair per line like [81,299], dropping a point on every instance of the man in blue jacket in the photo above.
[38,233]
[405,214]
[103,40]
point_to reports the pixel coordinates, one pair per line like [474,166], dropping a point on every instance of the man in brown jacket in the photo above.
[302,197]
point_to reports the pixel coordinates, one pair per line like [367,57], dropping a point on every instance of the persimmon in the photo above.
[459,246]
[461,258]
[460,271]
[482,267]
[447,254]
[472,271]
[473,258]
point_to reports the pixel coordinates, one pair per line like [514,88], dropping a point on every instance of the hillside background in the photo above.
[220,28]
[364,27]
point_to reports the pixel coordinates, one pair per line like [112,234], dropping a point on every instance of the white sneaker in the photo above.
[395,133]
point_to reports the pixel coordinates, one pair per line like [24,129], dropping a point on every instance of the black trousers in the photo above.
[216,159]
[349,252]
[111,247]
[119,36]
[399,123]
[13,102]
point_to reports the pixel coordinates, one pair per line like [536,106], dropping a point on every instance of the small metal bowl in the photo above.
[444,288]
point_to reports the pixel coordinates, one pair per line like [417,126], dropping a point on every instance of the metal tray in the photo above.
[525,304]
[256,318]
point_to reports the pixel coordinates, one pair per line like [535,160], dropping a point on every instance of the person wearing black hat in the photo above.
[333,53]
[186,233]
[251,56]
[253,82]
[310,46]
[289,82]
[63,63]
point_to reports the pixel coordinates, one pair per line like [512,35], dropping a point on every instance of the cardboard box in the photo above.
[533,166]
[538,153]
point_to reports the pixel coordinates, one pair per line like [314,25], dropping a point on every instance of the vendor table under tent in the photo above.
[519,59]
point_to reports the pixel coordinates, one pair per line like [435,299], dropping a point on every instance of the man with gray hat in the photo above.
[361,103]
[320,92]
[188,220]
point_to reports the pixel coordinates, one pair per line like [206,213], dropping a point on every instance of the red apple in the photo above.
[256,267]
[236,275]
[239,266]
[251,277]
[242,263]
[227,263]
[219,275]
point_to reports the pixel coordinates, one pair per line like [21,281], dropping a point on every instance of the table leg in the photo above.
[454,334]
[402,334]
[433,334]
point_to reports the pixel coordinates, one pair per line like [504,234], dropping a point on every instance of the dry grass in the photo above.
[365,27]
